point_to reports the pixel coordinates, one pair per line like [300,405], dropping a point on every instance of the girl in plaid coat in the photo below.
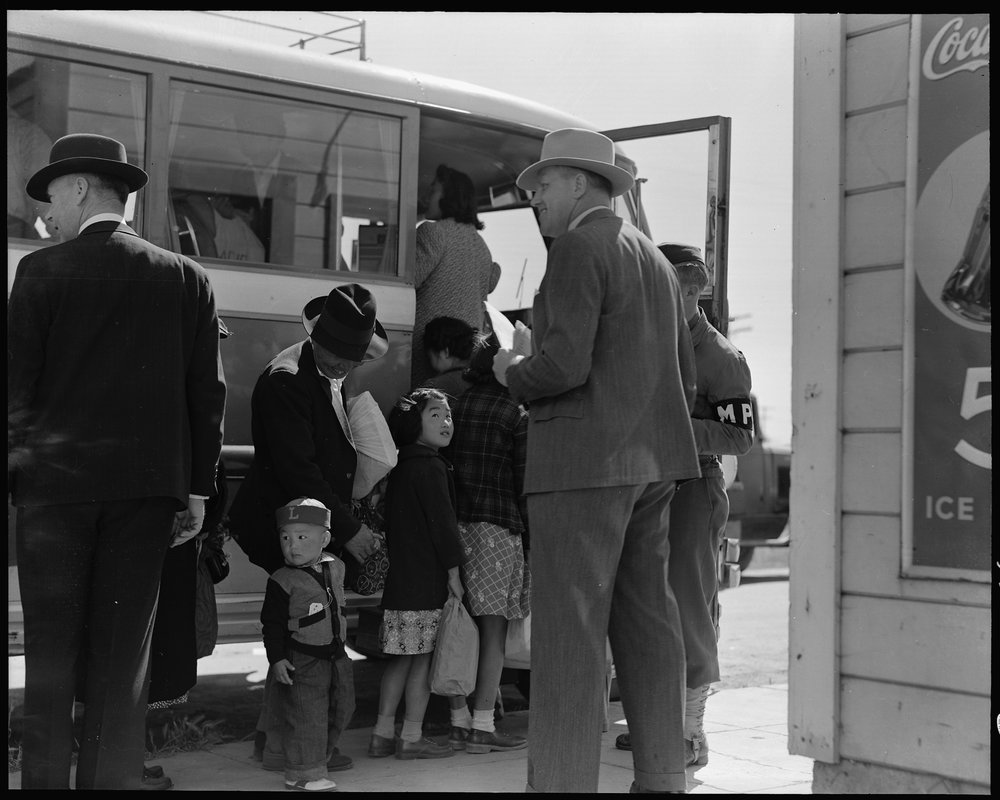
[488,455]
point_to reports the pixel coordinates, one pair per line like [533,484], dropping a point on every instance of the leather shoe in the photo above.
[696,751]
[153,782]
[319,785]
[458,737]
[424,748]
[338,762]
[485,741]
[380,747]
[635,788]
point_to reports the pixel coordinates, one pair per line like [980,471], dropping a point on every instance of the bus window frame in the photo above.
[39,48]
[317,96]
[152,206]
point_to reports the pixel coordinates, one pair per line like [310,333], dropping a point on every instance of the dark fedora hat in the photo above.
[344,323]
[85,152]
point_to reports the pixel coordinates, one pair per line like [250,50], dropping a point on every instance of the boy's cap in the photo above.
[304,510]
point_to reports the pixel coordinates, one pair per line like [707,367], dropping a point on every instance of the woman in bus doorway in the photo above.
[455,270]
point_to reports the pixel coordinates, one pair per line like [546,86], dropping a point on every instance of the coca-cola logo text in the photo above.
[955,50]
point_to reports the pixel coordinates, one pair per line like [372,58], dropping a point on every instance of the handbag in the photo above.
[517,647]
[368,577]
[206,614]
[217,565]
[456,655]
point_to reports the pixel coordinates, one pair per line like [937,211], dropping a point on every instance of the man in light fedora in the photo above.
[115,404]
[610,385]
[303,448]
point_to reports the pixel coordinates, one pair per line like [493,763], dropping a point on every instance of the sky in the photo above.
[620,69]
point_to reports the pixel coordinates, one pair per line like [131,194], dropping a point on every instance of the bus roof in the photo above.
[140,34]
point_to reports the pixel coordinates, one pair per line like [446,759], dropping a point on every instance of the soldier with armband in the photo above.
[722,421]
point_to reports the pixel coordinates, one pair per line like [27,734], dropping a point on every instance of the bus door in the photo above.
[681,193]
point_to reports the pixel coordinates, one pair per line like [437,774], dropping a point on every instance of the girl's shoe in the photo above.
[458,737]
[486,741]
[380,747]
[424,748]
[320,785]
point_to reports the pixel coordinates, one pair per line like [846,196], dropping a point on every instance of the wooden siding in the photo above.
[873,309]
[873,228]
[875,148]
[814,518]
[876,68]
[871,472]
[873,390]
[920,644]
[871,562]
[940,733]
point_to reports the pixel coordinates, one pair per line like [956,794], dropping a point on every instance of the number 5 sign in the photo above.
[948,424]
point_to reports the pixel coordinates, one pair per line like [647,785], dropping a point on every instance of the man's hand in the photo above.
[502,360]
[283,671]
[362,544]
[187,523]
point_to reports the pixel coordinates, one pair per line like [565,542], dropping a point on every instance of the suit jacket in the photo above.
[611,382]
[300,450]
[115,382]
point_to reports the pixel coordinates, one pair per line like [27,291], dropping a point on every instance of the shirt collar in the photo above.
[105,217]
[579,217]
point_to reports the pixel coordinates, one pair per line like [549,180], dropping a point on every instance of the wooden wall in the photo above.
[885,671]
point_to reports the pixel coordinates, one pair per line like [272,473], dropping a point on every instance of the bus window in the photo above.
[270,180]
[48,98]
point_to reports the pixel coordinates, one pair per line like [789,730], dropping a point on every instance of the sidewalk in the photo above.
[747,731]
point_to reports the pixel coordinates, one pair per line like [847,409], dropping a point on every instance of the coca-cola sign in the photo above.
[957,47]
[949,416]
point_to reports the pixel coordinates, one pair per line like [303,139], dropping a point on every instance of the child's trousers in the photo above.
[309,713]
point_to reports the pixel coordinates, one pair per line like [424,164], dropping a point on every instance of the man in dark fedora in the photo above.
[303,448]
[611,383]
[115,405]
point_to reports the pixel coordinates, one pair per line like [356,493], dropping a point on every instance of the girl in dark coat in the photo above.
[425,554]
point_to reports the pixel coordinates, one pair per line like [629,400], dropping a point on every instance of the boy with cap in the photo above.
[303,627]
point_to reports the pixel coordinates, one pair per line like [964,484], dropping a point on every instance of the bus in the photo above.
[286,172]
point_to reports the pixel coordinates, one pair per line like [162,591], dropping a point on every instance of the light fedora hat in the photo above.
[344,323]
[85,152]
[578,147]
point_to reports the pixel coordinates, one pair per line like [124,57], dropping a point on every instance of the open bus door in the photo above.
[666,203]
[676,200]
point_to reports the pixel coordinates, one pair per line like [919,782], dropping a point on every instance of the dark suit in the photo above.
[611,384]
[115,404]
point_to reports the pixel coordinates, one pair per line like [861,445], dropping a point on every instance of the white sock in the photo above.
[461,718]
[385,726]
[413,730]
[483,720]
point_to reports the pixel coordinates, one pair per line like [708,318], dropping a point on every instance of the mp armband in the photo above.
[737,411]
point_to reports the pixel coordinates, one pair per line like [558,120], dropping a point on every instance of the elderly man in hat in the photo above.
[303,448]
[611,384]
[723,425]
[115,405]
